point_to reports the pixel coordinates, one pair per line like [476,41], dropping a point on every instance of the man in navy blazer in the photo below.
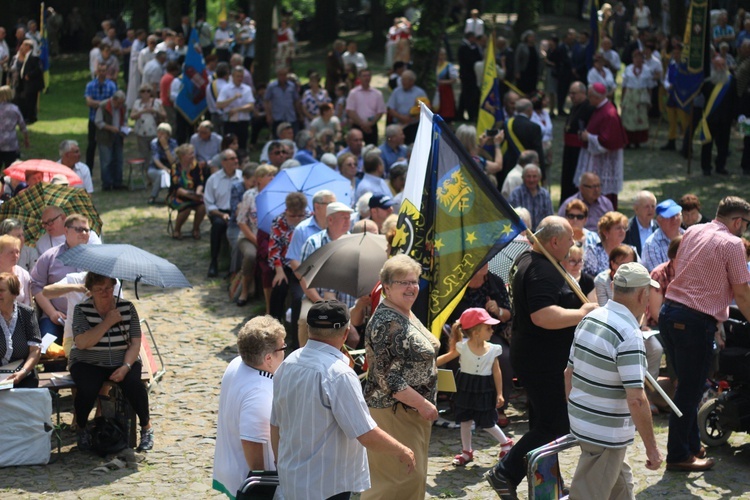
[642,224]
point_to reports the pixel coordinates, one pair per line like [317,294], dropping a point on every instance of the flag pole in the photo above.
[577,290]
[690,138]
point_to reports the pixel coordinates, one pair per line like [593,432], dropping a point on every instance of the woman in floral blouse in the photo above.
[186,190]
[313,98]
[282,229]
[401,387]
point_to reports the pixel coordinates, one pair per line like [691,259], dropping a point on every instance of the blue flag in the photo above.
[191,102]
[691,70]
[452,219]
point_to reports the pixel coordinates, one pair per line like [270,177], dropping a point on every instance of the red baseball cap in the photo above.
[474,316]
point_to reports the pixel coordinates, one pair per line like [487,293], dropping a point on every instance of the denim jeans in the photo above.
[110,160]
[688,337]
[46,325]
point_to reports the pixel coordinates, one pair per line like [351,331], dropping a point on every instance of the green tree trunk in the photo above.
[528,18]
[379,25]
[263,41]
[140,14]
[428,40]
[325,23]
[173,13]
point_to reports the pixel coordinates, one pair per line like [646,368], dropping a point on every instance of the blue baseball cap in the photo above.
[668,208]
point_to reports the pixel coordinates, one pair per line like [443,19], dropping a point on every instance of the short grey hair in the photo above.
[409,74]
[529,167]
[303,137]
[290,163]
[392,129]
[524,215]
[323,194]
[363,205]
[528,156]
[164,127]
[66,146]
[641,195]
[399,265]
[550,227]
[523,105]
[259,337]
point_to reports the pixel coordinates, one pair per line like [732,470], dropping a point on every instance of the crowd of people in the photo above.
[285,414]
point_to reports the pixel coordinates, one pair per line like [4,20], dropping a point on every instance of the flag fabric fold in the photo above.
[452,219]
[490,106]
[44,50]
[690,73]
[191,101]
[593,45]
[717,96]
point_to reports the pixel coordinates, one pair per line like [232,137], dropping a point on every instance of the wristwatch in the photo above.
[130,367]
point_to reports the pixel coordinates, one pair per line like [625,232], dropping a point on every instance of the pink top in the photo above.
[366,103]
[710,260]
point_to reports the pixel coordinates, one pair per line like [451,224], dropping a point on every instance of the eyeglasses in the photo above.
[103,289]
[405,283]
[592,186]
[80,230]
[575,216]
[49,222]
[746,221]
[282,348]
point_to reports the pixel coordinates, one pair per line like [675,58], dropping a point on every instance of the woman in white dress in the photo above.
[636,100]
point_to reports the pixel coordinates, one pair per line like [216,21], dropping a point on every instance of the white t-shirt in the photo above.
[244,414]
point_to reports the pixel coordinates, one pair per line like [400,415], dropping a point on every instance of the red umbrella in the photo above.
[46,167]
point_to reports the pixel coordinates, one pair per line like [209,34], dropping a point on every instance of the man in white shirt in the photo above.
[223,39]
[320,422]
[236,100]
[53,221]
[351,56]
[207,144]
[154,70]
[474,24]
[4,52]
[70,156]
[243,431]
[216,197]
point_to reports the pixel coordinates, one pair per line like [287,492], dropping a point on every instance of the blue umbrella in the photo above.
[307,179]
[126,262]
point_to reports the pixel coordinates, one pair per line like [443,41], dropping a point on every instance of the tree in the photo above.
[678,17]
[140,14]
[378,25]
[427,40]
[263,41]
[325,22]
[528,18]
[173,13]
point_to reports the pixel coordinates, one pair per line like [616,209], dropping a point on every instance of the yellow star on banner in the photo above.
[507,229]
[439,244]
[471,238]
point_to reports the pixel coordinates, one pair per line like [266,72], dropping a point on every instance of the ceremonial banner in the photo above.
[44,49]
[690,72]
[452,219]
[593,45]
[717,95]
[490,106]
[191,101]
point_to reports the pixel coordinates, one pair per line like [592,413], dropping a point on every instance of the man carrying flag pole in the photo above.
[718,115]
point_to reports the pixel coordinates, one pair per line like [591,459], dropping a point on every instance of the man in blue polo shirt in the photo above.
[97,90]
[282,100]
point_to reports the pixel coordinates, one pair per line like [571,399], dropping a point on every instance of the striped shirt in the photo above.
[320,412]
[607,357]
[111,348]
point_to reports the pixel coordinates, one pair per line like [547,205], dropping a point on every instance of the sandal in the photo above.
[503,421]
[505,448]
[461,459]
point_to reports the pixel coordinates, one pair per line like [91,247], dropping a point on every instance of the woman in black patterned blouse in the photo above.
[21,339]
[401,387]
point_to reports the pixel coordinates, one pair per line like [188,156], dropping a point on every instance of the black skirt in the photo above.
[475,400]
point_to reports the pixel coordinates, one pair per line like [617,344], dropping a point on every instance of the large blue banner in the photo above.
[191,102]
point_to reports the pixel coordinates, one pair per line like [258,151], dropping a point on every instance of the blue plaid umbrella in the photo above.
[126,262]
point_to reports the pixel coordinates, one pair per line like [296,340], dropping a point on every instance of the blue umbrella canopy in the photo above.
[307,179]
[126,262]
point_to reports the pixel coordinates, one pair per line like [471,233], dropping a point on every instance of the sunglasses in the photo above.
[282,348]
[575,216]
[80,230]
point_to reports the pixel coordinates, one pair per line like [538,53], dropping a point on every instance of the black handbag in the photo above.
[108,436]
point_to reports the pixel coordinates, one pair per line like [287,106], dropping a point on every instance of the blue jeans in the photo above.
[110,161]
[688,337]
[46,325]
